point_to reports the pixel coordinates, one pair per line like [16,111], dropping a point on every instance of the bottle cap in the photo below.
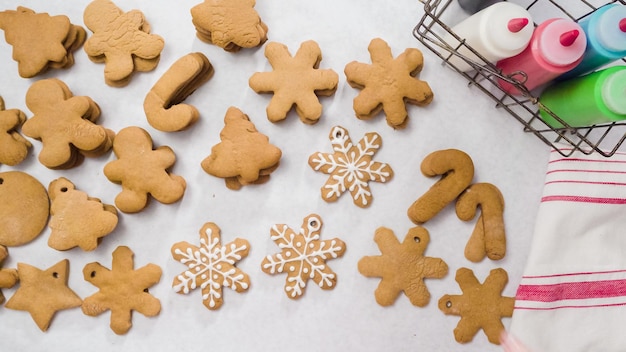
[560,45]
[614,92]
[612,28]
[504,29]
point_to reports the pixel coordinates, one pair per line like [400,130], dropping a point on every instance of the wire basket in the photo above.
[604,139]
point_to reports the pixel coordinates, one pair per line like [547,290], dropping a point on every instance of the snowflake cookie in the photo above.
[481,306]
[402,266]
[211,266]
[351,167]
[303,256]
[388,84]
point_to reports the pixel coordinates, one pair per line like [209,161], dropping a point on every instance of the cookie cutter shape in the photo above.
[40,41]
[211,266]
[163,103]
[456,169]
[231,25]
[244,156]
[295,82]
[42,293]
[402,267]
[77,220]
[142,171]
[303,256]
[120,39]
[489,237]
[481,306]
[350,167]
[122,290]
[13,146]
[24,209]
[387,84]
[8,277]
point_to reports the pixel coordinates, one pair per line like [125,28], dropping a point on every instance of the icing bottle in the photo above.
[499,31]
[556,46]
[605,29]
[599,97]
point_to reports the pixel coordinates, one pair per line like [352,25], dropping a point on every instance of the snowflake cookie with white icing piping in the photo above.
[211,266]
[351,167]
[303,256]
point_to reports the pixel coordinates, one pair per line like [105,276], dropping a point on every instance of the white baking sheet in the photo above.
[263,318]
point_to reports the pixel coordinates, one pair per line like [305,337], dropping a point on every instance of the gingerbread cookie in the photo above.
[488,238]
[231,25]
[351,167]
[122,40]
[211,266]
[163,103]
[65,124]
[122,290]
[402,267]
[40,41]
[13,147]
[24,208]
[456,169]
[244,155]
[481,306]
[77,220]
[42,293]
[303,256]
[295,82]
[388,84]
[8,277]
[142,171]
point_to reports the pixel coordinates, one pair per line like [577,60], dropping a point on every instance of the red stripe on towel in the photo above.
[582,199]
[572,291]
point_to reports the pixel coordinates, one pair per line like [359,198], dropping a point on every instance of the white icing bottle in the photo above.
[497,32]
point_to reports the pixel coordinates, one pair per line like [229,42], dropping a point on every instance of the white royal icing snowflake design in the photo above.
[303,256]
[211,266]
[351,167]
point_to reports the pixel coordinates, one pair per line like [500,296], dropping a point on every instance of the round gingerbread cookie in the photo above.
[24,208]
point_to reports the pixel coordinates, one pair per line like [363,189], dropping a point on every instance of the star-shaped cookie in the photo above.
[481,306]
[303,256]
[388,84]
[350,167]
[402,267]
[122,290]
[295,82]
[43,292]
[211,266]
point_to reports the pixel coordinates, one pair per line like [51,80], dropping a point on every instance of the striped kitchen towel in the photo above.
[572,296]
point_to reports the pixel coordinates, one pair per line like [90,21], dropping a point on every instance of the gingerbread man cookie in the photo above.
[244,156]
[142,171]
[295,82]
[350,167]
[303,256]
[13,147]
[388,84]
[229,24]
[122,290]
[8,277]
[481,306]
[402,267]
[122,40]
[77,220]
[65,124]
[42,293]
[211,266]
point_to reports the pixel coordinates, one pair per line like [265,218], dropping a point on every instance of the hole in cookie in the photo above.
[416,239]
[146,290]
[93,274]
[55,275]
[338,134]
[448,304]
[64,189]
[1,180]
[313,223]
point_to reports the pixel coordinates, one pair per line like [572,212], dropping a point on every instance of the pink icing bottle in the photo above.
[556,46]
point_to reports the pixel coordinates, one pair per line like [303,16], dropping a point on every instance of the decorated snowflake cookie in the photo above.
[303,256]
[351,167]
[211,266]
